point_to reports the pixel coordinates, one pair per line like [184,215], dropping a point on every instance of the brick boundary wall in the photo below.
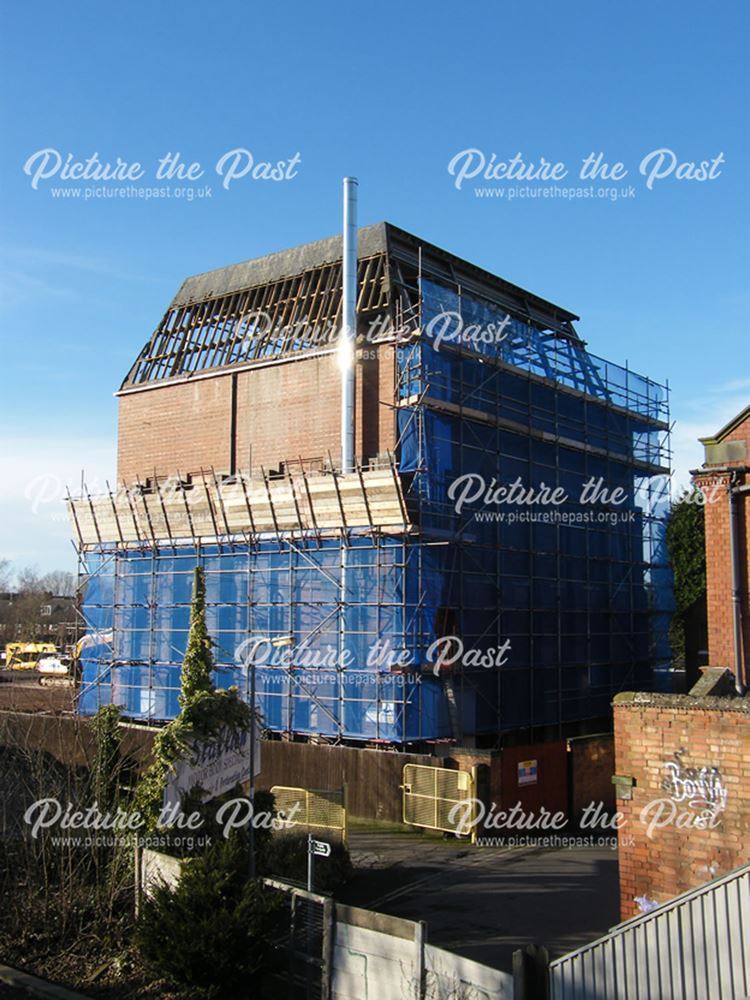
[708,733]
[68,738]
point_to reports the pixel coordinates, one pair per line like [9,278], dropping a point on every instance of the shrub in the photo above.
[214,931]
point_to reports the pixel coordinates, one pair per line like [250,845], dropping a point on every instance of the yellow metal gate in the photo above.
[314,808]
[439,798]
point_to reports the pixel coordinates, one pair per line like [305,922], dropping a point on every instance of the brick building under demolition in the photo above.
[229,454]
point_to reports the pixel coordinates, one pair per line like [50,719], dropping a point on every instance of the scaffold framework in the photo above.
[349,588]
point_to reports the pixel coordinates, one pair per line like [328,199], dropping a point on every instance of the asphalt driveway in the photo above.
[485,902]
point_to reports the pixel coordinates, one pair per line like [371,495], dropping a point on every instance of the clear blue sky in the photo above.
[390,92]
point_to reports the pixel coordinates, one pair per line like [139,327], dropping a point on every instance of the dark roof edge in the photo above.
[378,238]
[275,266]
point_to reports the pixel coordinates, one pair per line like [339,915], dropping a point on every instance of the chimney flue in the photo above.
[348,323]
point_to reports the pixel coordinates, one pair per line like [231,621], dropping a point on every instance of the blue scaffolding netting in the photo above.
[341,632]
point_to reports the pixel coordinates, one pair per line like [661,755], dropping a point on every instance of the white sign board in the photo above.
[215,765]
[321,848]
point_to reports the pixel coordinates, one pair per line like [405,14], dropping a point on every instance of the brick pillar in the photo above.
[714,485]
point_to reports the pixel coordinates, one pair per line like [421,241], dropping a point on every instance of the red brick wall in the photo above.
[721,650]
[174,428]
[714,733]
[284,411]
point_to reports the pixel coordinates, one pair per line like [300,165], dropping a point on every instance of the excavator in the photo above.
[44,657]
[26,655]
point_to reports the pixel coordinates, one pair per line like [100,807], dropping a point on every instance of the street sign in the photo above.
[321,848]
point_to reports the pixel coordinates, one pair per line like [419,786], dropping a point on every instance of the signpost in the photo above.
[322,849]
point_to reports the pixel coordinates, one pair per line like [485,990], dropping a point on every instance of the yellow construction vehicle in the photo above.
[26,655]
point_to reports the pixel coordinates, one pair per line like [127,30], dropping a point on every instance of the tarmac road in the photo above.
[485,902]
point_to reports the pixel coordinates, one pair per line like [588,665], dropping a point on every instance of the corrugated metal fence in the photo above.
[695,947]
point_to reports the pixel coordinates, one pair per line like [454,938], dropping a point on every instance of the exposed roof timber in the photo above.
[301,313]
[281,305]
[379,238]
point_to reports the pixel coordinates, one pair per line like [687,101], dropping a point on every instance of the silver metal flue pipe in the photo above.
[347,344]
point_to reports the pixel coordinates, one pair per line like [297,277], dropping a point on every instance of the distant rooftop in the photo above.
[727,429]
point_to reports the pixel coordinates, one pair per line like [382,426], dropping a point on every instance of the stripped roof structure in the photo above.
[289,302]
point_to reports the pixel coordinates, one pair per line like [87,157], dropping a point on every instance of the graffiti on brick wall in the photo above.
[702,789]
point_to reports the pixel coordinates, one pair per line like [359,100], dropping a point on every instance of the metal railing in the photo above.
[691,948]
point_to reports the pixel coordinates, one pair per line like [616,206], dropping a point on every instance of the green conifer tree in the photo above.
[198,662]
